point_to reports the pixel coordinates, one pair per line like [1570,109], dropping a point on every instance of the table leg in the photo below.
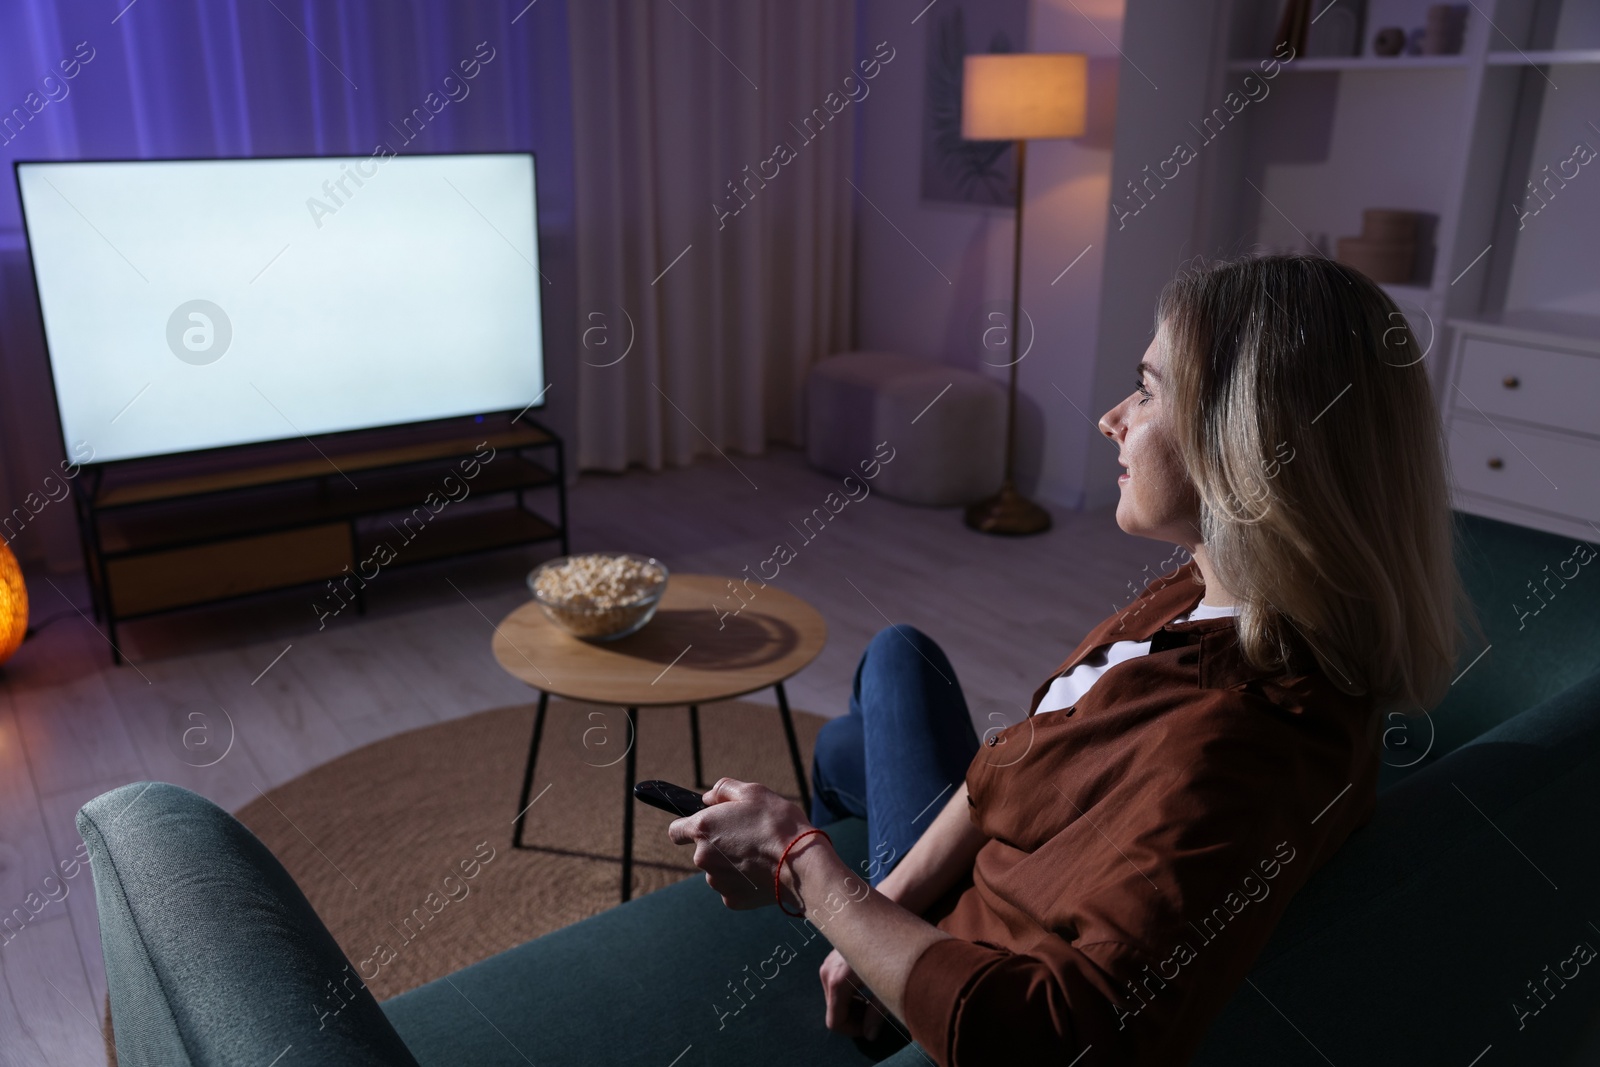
[794,749]
[527,774]
[628,802]
[694,741]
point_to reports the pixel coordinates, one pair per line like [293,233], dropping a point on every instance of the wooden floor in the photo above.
[258,673]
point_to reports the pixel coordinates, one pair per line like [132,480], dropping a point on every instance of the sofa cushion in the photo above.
[668,978]
[1539,645]
[1418,941]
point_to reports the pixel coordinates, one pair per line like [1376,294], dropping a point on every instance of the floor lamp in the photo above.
[1019,97]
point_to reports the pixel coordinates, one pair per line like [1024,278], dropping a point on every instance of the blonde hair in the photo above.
[1303,413]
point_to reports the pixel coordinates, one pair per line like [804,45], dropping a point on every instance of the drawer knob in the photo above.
[1511,381]
[1495,463]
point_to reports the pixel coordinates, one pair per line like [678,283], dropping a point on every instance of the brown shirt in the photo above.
[1143,844]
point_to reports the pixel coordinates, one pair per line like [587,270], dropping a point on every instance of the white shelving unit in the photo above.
[1322,63]
[1507,287]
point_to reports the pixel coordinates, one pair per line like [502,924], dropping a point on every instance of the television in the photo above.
[201,304]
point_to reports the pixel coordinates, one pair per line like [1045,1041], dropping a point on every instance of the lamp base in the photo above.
[1008,513]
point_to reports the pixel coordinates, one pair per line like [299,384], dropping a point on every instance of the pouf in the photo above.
[840,392]
[944,427]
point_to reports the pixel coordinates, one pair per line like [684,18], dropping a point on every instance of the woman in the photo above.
[1104,872]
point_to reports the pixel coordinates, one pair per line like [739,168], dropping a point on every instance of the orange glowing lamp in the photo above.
[13,604]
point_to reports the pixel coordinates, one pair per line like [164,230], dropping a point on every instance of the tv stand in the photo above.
[155,543]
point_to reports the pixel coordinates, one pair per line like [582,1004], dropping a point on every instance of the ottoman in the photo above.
[946,426]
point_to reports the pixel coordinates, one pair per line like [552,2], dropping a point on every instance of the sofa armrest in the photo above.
[213,955]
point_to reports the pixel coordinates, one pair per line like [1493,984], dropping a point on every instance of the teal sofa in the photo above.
[1537,645]
[1443,932]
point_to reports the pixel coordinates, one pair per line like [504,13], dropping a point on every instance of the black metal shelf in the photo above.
[132,529]
[155,543]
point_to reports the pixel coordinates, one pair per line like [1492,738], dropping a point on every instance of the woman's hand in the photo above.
[739,839]
[852,1009]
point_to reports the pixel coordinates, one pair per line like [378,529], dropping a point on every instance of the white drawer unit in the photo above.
[1522,415]
[1532,384]
[1526,468]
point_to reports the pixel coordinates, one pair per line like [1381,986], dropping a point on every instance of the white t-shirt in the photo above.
[1068,688]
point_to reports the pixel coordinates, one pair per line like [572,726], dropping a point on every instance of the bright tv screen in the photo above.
[197,304]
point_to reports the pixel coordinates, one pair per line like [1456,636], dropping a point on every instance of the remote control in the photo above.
[672,799]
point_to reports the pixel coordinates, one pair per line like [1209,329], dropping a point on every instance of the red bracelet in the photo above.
[777,893]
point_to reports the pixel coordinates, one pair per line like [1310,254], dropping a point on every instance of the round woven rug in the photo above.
[403,846]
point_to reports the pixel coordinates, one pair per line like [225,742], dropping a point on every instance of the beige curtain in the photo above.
[713,143]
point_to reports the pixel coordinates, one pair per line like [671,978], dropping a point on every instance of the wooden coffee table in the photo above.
[690,653]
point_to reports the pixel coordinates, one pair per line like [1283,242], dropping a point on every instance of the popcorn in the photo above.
[597,595]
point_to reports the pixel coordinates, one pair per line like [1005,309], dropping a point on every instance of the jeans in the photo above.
[901,752]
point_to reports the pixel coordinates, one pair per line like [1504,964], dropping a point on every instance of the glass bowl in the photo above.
[611,606]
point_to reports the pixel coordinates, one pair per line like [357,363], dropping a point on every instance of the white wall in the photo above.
[1553,265]
[1176,47]
[936,310]
[1093,323]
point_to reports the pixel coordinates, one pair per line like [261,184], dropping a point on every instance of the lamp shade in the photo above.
[13,604]
[1025,96]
